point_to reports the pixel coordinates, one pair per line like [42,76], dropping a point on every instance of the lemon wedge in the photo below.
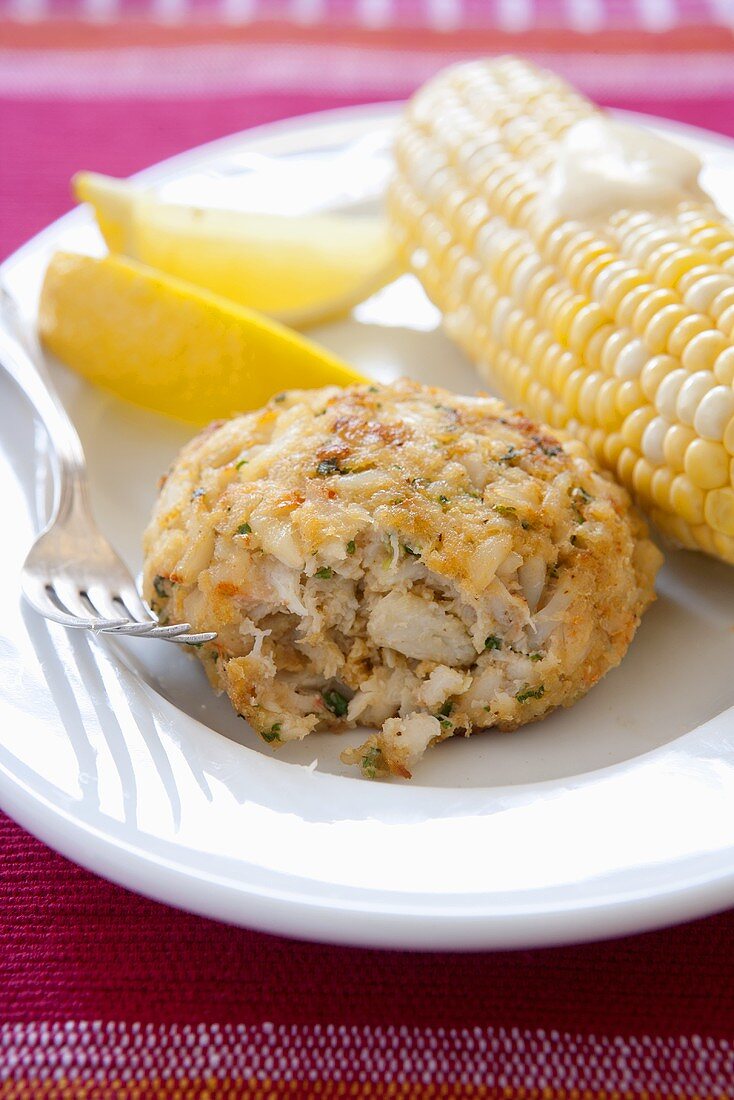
[170,346]
[297,269]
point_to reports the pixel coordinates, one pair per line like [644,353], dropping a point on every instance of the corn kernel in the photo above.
[720,510]
[714,412]
[564,366]
[704,538]
[622,284]
[613,447]
[675,266]
[701,352]
[606,411]
[585,323]
[642,479]
[626,465]
[728,438]
[678,439]
[666,396]
[726,322]
[662,481]
[630,303]
[629,396]
[724,367]
[691,393]
[707,464]
[653,303]
[653,373]
[612,348]
[587,396]
[677,528]
[689,327]
[596,443]
[631,360]
[653,439]
[587,277]
[704,291]
[661,326]
[564,318]
[635,424]
[687,499]
[724,546]
[571,392]
[595,348]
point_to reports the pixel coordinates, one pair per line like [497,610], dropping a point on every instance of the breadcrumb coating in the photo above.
[397,557]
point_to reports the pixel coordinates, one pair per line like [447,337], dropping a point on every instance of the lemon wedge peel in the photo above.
[299,270]
[168,346]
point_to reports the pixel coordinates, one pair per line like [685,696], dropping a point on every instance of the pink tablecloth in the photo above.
[100,989]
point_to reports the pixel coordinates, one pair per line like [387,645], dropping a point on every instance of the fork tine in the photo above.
[172,631]
[71,605]
[70,598]
[103,602]
[194,639]
[133,603]
[124,626]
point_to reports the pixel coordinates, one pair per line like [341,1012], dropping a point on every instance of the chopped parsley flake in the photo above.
[242,462]
[446,709]
[244,529]
[511,456]
[371,762]
[324,573]
[409,550]
[443,499]
[529,693]
[329,466]
[536,656]
[493,642]
[373,389]
[335,702]
[505,510]
[273,734]
[550,450]
[579,497]
[351,547]
[280,397]
[160,584]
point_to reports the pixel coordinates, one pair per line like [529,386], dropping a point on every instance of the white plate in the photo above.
[612,817]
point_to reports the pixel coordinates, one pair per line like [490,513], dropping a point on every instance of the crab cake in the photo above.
[396,557]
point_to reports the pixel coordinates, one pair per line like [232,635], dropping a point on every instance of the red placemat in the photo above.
[106,994]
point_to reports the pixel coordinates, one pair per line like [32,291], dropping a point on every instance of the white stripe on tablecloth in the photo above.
[27,11]
[238,11]
[229,68]
[306,11]
[657,15]
[445,15]
[514,15]
[722,11]
[585,15]
[100,11]
[170,11]
[375,13]
[511,1059]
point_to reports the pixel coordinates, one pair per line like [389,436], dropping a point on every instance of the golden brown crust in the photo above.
[369,541]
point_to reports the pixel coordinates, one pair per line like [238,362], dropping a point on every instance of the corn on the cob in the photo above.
[620,332]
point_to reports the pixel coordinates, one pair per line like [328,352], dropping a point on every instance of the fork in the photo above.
[71,574]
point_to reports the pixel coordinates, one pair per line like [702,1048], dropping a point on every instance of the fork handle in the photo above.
[21,358]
